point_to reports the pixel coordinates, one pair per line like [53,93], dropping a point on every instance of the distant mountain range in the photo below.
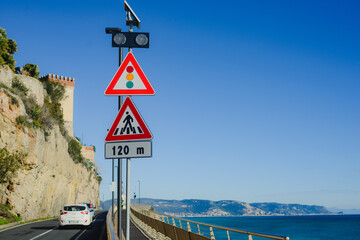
[207,208]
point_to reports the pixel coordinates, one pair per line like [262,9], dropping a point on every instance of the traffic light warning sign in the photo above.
[128,125]
[129,79]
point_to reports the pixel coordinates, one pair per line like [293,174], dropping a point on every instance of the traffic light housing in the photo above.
[128,39]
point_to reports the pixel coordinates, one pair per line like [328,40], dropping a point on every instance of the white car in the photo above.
[91,208]
[75,214]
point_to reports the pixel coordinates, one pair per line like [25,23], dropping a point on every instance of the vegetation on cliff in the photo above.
[7,48]
[6,215]
[31,117]
[42,117]
[10,163]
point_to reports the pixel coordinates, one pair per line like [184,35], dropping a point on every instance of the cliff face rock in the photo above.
[53,178]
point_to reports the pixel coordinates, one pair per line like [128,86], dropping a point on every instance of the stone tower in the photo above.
[68,102]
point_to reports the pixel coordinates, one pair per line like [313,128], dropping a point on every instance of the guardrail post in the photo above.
[199,229]
[188,226]
[228,234]
[250,237]
[212,233]
[174,222]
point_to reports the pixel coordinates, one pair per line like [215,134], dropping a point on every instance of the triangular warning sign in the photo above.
[129,79]
[128,125]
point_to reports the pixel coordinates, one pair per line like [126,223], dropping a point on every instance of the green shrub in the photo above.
[64,132]
[6,216]
[22,121]
[88,164]
[99,178]
[54,110]
[47,120]
[4,221]
[10,163]
[55,90]
[7,48]
[35,115]
[56,93]
[14,101]
[16,83]
[74,149]
[32,70]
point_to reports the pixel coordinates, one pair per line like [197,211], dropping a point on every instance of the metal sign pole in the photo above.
[130,40]
[119,190]
[119,198]
[128,198]
[128,180]
[112,192]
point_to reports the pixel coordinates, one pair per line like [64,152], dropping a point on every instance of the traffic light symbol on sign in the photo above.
[129,79]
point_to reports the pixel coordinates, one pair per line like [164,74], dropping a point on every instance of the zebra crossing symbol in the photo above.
[128,125]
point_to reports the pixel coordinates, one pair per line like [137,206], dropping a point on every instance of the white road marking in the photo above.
[42,234]
[23,224]
[80,234]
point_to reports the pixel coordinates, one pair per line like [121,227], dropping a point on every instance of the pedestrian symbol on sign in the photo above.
[128,125]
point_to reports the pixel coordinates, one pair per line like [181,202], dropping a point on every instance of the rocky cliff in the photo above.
[52,178]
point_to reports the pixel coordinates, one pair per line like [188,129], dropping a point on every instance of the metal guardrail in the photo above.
[110,227]
[161,226]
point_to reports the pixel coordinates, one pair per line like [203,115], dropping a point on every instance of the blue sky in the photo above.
[256,101]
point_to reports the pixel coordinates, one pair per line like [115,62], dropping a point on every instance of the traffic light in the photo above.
[128,39]
[134,195]
[129,77]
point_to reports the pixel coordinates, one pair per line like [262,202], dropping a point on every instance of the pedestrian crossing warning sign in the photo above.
[128,125]
[129,79]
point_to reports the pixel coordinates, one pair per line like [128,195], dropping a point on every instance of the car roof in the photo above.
[88,203]
[76,204]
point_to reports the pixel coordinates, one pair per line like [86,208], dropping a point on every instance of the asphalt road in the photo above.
[49,229]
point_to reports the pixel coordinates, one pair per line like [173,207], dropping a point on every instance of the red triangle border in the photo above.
[146,133]
[110,89]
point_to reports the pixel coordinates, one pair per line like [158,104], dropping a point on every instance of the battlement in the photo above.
[66,81]
[89,153]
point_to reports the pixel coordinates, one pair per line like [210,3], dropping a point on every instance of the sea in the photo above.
[314,227]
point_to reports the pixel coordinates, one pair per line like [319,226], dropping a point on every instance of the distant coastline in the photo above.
[231,208]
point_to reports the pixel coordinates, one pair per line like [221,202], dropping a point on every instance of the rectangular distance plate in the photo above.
[134,149]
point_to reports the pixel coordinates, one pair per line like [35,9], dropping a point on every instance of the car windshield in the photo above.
[74,208]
